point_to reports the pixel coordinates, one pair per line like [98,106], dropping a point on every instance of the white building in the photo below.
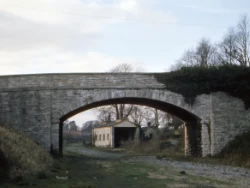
[111,134]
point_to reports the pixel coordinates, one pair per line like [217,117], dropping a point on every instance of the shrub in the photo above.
[160,155]
[149,146]
[237,151]
[193,81]
[23,157]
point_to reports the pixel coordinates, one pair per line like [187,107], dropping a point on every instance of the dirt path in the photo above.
[234,176]
[93,153]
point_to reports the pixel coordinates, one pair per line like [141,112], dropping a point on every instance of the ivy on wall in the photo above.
[193,81]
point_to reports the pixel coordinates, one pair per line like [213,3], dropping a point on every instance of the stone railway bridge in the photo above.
[38,104]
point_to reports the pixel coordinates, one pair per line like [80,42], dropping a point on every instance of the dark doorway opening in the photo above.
[123,134]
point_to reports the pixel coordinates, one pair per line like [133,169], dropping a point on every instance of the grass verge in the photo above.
[20,157]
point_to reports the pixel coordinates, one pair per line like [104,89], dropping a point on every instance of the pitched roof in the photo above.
[112,123]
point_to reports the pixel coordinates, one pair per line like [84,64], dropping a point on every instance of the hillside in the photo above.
[20,157]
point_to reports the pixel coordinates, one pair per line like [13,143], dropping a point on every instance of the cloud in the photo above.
[18,34]
[210,10]
[128,5]
[54,36]
[52,61]
[47,23]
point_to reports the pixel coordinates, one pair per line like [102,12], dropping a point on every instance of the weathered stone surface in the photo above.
[35,104]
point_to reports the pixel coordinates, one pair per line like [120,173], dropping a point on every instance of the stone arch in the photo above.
[161,99]
[88,98]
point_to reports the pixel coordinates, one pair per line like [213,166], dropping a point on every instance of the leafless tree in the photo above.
[124,67]
[156,117]
[243,41]
[205,53]
[137,115]
[227,48]
[188,59]
[203,56]
[235,46]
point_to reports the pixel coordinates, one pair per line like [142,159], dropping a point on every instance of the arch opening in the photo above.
[181,113]
[192,122]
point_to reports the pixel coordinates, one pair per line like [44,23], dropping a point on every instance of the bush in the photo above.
[149,146]
[237,151]
[160,155]
[22,157]
[193,81]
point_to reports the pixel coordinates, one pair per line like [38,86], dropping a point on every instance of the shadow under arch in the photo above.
[192,121]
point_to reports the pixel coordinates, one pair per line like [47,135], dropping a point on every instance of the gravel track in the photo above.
[237,176]
[94,153]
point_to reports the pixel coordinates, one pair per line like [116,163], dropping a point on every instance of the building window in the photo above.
[103,137]
[100,137]
[107,136]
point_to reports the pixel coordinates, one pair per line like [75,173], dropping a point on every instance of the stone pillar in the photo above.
[54,142]
[137,135]
[193,139]
[205,138]
[112,137]
[186,140]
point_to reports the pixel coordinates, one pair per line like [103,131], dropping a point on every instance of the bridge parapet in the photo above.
[81,80]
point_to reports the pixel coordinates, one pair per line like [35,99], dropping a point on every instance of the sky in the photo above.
[62,36]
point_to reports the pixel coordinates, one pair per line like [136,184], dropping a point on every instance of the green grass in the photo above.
[89,172]
[82,172]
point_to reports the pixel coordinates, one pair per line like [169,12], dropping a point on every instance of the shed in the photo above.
[111,134]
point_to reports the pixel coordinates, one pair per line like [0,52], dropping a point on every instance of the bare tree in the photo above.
[124,67]
[155,117]
[188,59]
[105,113]
[227,48]
[243,41]
[204,55]
[138,115]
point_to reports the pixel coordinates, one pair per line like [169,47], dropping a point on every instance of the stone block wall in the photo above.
[29,112]
[229,118]
[222,118]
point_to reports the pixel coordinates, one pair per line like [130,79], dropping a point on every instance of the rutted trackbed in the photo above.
[93,153]
[235,176]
